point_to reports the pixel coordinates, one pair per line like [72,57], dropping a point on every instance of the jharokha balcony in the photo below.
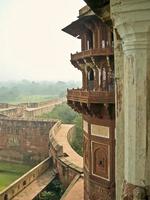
[90,102]
[97,93]
[92,53]
[88,97]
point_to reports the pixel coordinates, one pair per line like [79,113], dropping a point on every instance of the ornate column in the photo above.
[119,106]
[85,78]
[84,42]
[96,81]
[132,21]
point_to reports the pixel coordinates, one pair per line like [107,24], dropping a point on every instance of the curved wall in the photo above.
[67,162]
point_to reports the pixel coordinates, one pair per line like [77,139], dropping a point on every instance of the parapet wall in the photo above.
[36,109]
[12,111]
[4,105]
[21,183]
[29,110]
[44,103]
[66,161]
[23,140]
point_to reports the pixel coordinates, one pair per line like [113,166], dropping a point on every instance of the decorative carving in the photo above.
[133,192]
[102,194]
[139,193]
[100,160]
[99,110]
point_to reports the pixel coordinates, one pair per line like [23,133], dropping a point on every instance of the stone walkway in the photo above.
[61,138]
[36,186]
[75,191]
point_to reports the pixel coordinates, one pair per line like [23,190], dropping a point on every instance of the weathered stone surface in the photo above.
[134,192]
[119,106]
[24,140]
[132,21]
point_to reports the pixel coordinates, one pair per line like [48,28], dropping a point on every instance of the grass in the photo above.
[9,172]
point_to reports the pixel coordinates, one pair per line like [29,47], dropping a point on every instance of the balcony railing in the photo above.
[84,96]
[91,53]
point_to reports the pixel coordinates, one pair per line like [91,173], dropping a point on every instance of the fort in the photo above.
[23,140]
[114,103]
[57,158]
[29,110]
[44,143]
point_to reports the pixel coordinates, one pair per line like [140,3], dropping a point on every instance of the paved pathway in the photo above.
[36,186]
[75,191]
[61,138]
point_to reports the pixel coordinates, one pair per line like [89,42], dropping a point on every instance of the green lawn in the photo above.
[9,172]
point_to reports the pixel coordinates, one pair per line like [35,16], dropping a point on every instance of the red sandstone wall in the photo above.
[13,111]
[24,140]
[65,170]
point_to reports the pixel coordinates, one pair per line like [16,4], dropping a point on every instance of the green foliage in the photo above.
[67,115]
[48,196]
[77,143]
[62,112]
[54,191]
[31,91]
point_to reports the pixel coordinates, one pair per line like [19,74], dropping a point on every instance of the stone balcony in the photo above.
[91,97]
[92,53]
[93,103]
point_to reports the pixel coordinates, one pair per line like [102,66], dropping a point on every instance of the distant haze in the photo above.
[32,45]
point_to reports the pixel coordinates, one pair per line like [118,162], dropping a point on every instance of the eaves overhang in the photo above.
[78,27]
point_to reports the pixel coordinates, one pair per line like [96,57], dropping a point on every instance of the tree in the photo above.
[48,196]
[67,115]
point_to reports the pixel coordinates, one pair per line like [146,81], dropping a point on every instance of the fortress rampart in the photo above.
[23,140]
[67,162]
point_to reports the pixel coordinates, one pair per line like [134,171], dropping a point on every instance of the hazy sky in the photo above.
[32,45]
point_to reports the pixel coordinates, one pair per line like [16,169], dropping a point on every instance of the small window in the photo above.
[6,197]
[103,43]
[24,183]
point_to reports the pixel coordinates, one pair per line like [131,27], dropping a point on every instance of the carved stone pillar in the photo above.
[96,78]
[85,74]
[84,86]
[132,21]
[84,42]
[119,106]
[95,38]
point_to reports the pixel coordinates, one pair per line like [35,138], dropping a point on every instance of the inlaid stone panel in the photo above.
[101,131]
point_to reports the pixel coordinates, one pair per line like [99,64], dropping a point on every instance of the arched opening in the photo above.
[6,197]
[91,79]
[24,183]
[90,40]
[104,79]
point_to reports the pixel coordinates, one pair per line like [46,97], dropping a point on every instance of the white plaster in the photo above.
[132,20]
